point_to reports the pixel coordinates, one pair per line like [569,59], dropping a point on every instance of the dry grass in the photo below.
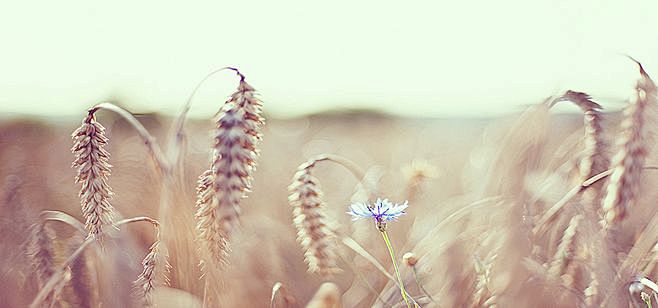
[503,212]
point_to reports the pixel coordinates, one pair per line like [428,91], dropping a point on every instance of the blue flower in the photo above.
[382,211]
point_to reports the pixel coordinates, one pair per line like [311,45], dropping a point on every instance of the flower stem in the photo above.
[395,267]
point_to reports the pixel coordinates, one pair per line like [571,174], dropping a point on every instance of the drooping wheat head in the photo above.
[313,233]
[628,162]
[593,160]
[93,169]
[581,236]
[220,188]
[236,136]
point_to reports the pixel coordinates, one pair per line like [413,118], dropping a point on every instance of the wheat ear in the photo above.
[212,239]
[93,168]
[315,237]
[484,295]
[236,137]
[228,180]
[41,254]
[565,250]
[582,230]
[628,162]
[155,269]
[594,159]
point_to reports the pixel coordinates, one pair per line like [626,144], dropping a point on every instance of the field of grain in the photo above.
[516,211]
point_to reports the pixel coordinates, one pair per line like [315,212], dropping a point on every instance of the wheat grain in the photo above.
[594,159]
[576,241]
[41,254]
[316,238]
[565,251]
[236,137]
[627,163]
[211,237]
[93,168]
[592,291]
[155,269]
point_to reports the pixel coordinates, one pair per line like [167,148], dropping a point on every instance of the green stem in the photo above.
[395,267]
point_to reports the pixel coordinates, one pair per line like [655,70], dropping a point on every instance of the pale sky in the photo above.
[429,58]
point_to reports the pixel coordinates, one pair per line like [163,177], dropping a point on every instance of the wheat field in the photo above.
[535,209]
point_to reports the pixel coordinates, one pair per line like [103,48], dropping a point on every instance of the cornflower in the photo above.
[383,211]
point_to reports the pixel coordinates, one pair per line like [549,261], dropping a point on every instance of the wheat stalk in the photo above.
[628,162]
[151,144]
[650,267]
[93,170]
[316,238]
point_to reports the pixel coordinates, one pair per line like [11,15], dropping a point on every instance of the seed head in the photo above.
[410,258]
[91,162]
[313,233]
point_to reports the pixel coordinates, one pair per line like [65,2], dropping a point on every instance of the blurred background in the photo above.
[412,58]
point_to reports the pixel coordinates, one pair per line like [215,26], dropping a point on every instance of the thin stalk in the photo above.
[395,267]
[352,167]
[156,153]
[420,286]
[177,137]
[362,277]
